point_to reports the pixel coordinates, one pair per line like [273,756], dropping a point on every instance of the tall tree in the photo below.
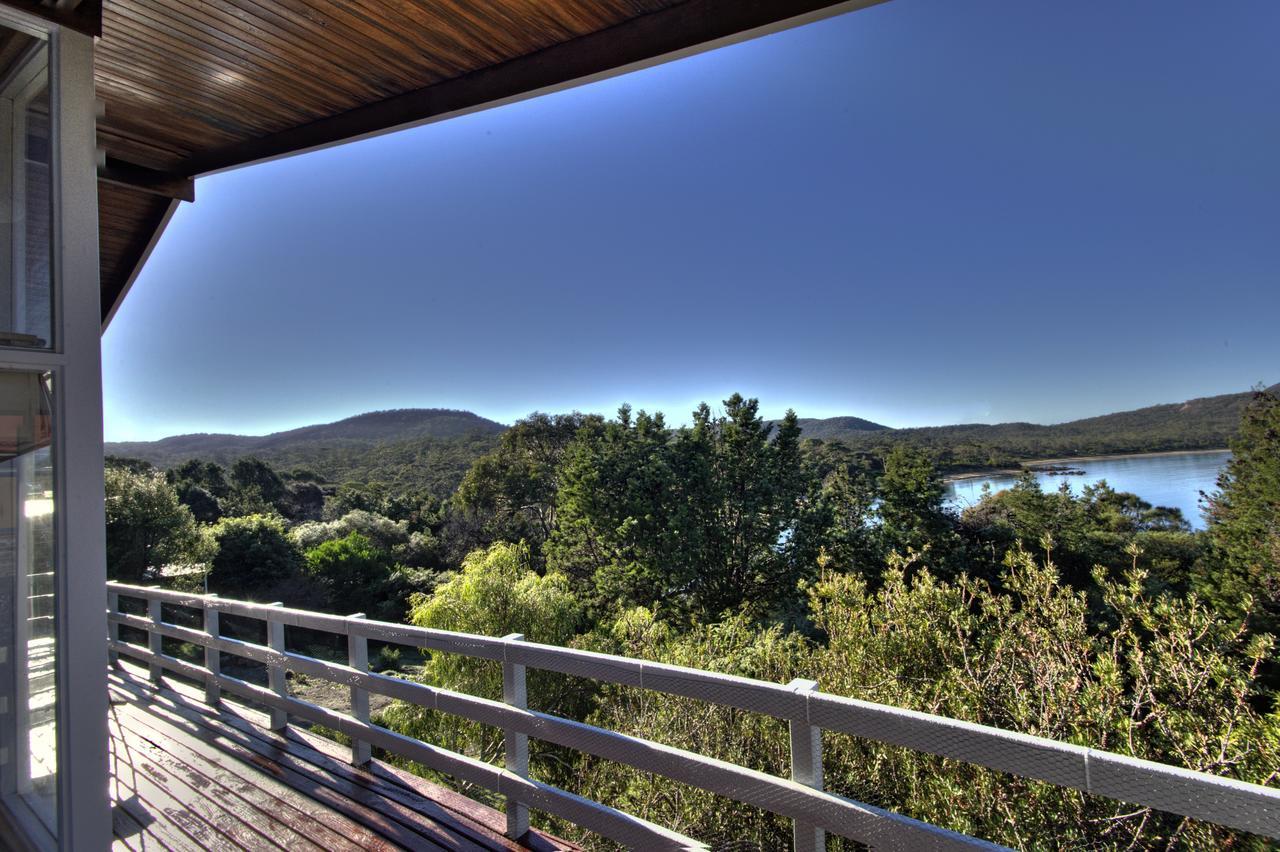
[147,528]
[912,509]
[695,523]
[354,574]
[1244,519]
[510,493]
[496,593]
[613,509]
[201,486]
[838,531]
[256,559]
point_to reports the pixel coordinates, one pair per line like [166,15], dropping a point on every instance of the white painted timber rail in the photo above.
[815,812]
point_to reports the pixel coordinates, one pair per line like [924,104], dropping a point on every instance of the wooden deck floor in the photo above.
[185,777]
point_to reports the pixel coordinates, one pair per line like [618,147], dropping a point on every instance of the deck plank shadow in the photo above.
[185,776]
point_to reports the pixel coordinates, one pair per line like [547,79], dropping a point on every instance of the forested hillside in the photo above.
[835,428]
[1197,424]
[422,448]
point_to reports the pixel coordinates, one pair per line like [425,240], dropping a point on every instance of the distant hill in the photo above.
[1197,424]
[831,428]
[424,446]
[434,447]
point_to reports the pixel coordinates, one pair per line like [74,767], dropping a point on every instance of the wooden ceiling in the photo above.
[195,86]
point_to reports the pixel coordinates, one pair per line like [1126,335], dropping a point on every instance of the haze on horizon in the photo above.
[921,213]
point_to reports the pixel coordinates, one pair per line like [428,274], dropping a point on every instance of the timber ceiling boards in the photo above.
[194,86]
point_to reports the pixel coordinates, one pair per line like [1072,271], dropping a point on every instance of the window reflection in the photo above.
[28,770]
[26,304]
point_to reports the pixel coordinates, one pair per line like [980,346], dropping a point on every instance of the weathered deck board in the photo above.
[278,824]
[379,829]
[187,777]
[269,797]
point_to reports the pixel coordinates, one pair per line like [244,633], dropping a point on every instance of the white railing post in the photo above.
[806,768]
[516,694]
[113,629]
[155,642]
[275,674]
[358,659]
[212,656]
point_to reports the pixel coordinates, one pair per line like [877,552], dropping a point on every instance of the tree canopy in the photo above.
[147,527]
[733,545]
[1244,519]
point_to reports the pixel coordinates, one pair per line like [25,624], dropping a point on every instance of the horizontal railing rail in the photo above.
[814,812]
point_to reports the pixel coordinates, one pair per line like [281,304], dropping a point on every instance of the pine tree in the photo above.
[1244,520]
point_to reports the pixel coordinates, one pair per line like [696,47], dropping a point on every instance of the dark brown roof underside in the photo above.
[194,86]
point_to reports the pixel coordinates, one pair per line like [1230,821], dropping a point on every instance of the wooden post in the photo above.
[113,629]
[212,656]
[275,674]
[155,642]
[515,693]
[358,659]
[806,768]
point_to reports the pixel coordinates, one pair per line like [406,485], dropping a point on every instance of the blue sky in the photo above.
[925,212]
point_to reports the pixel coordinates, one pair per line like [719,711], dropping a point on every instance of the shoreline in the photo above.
[1031,464]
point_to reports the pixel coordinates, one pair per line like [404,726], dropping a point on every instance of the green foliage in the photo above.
[353,574]
[837,528]
[256,559]
[431,464]
[1100,527]
[204,507]
[131,465]
[510,494]
[207,475]
[255,488]
[691,521]
[735,646]
[147,528]
[331,734]
[417,508]
[388,658]
[252,487]
[201,486]
[912,512]
[1244,519]
[409,449]
[495,594]
[417,549]
[1166,681]
[731,546]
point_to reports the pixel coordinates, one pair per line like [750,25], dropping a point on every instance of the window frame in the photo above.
[17,91]
[75,363]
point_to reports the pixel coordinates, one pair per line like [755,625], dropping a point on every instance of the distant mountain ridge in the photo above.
[363,431]
[437,445]
[1196,424]
[831,428]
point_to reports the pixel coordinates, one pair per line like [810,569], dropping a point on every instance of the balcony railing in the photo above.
[814,811]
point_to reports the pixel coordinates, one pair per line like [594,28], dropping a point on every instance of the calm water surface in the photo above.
[1171,480]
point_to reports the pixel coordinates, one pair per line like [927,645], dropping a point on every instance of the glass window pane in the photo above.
[26,211]
[28,770]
